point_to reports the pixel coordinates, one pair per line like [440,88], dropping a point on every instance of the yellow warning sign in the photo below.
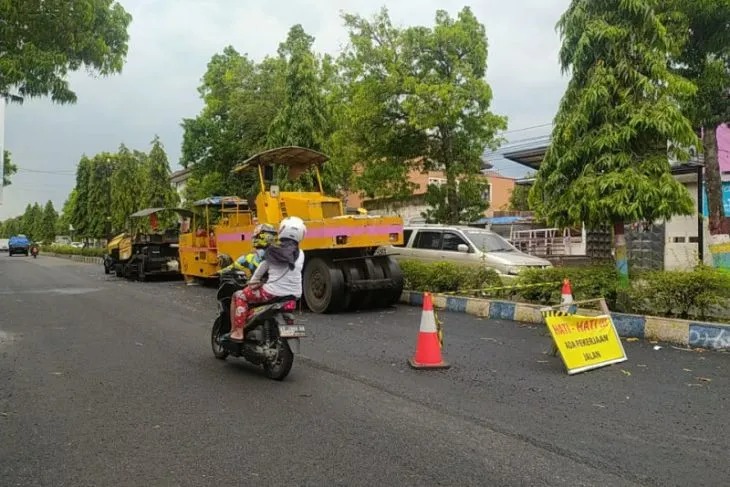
[585,342]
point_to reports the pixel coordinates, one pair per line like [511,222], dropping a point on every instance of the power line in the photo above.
[527,128]
[41,171]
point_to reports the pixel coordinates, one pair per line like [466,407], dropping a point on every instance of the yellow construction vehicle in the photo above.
[341,270]
[139,253]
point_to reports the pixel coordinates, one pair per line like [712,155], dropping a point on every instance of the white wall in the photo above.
[680,238]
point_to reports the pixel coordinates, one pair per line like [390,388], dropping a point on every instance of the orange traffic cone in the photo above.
[567,293]
[566,297]
[428,346]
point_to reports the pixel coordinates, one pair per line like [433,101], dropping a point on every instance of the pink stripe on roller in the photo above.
[331,232]
[233,237]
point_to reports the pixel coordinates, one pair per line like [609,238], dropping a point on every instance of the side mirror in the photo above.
[274,191]
[463,248]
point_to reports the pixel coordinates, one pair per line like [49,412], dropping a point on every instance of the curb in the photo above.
[77,258]
[688,333]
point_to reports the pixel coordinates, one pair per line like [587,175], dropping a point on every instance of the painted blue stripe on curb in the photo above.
[416,299]
[629,325]
[499,310]
[456,304]
[705,335]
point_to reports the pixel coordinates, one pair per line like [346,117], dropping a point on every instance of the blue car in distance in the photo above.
[19,244]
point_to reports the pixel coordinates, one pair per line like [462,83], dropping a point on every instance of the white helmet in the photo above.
[292,227]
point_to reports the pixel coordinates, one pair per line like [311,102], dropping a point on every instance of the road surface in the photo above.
[108,382]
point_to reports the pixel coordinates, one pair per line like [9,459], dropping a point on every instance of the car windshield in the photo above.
[489,242]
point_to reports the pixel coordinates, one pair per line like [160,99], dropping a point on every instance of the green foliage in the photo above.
[111,186]
[69,250]
[41,42]
[197,187]
[586,282]
[446,276]
[64,220]
[519,198]
[79,216]
[157,190]
[49,221]
[241,99]
[98,211]
[700,293]
[9,168]
[10,227]
[32,221]
[302,118]
[608,159]
[127,184]
[705,60]
[470,196]
[416,92]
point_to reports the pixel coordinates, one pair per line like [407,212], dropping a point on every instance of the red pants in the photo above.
[239,304]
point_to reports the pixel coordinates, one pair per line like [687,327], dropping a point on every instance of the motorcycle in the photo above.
[34,251]
[270,333]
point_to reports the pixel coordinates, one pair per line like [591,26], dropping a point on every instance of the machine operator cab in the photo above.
[297,172]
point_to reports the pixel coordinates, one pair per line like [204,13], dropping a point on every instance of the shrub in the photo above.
[586,283]
[441,277]
[685,294]
[69,250]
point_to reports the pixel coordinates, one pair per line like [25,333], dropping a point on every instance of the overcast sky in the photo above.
[171,42]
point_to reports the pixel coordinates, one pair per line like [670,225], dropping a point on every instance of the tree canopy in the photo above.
[704,28]
[41,42]
[418,94]
[9,168]
[608,158]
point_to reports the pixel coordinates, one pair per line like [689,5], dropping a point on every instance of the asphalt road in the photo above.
[108,382]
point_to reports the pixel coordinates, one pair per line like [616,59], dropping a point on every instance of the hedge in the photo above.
[702,293]
[69,250]
[442,277]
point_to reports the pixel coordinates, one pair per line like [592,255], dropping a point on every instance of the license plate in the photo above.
[291,331]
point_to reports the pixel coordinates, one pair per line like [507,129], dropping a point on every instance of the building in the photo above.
[498,193]
[677,243]
[179,179]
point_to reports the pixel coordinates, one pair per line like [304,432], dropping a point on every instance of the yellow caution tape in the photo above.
[514,286]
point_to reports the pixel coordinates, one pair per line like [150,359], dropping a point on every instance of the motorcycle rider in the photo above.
[283,261]
[263,236]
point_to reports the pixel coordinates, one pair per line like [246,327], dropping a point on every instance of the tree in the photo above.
[197,189]
[158,192]
[49,221]
[705,60]
[302,120]
[417,93]
[127,185]
[617,123]
[32,221]
[241,99]
[65,219]
[8,168]
[470,198]
[80,216]
[41,42]
[98,211]
[518,199]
